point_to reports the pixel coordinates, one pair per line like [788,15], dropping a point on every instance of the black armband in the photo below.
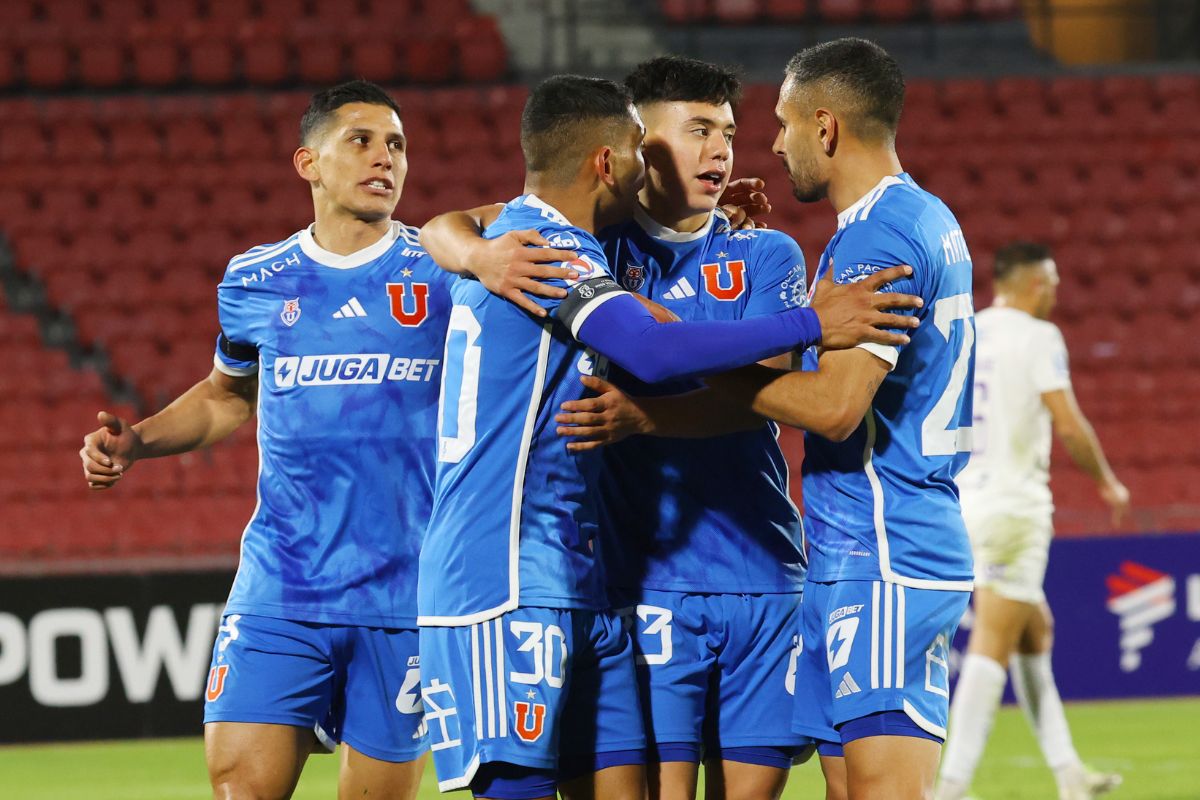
[582,297]
[236,350]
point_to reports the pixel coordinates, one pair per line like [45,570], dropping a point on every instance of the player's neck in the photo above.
[344,235]
[579,207]
[1015,301]
[860,174]
[660,210]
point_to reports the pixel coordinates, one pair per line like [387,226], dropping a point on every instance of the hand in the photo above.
[597,421]
[743,200]
[514,265]
[1116,497]
[109,451]
[853,313]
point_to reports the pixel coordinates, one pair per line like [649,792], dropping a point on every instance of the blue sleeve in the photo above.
[236,354]
[867,247]
[619,327]
[777,279]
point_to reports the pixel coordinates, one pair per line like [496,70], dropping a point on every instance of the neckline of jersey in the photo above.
[870,198]
[351,260]
[666,234]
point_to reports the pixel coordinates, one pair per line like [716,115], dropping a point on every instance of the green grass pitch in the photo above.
[1154,744]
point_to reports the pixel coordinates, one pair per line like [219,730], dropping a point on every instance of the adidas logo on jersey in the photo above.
[681,289]
[350,309]
[847,687]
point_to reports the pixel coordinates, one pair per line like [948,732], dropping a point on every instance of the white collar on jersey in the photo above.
[351,260]
[669,234]
[551,213]
[862,207]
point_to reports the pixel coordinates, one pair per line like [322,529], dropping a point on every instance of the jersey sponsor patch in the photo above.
[340,369]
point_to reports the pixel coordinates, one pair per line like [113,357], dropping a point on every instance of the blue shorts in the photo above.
[716,671]
[873,646]
[535,687]
[361,685]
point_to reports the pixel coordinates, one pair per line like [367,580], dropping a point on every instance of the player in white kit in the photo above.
[1022,390]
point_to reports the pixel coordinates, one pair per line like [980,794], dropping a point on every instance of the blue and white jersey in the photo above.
[883,503]
[702,515]
[514,513]
[348,350]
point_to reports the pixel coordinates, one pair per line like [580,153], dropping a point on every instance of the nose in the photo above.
[383,157]
[721,148]
[777,147]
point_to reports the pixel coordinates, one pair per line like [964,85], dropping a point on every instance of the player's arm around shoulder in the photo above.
[515,265]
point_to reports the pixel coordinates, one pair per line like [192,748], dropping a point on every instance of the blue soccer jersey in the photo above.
[702,515]
[348,351]
[514,519]
[883,503]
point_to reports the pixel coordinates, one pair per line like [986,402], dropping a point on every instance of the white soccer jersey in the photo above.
[1018,359]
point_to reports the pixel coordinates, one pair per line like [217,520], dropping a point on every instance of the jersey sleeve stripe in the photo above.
[232,371]
[247,258]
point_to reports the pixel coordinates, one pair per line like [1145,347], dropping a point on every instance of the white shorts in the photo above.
[1011,552]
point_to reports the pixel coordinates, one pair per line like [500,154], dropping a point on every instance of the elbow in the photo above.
[841,423]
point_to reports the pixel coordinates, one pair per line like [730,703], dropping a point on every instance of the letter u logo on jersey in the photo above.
[736,280]
[531,720]
[398,292]
[216,682]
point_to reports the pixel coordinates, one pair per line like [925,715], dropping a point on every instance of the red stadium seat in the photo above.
[320,51]
[210,53]
[943,10]
[265,57]
[425,61]
[894,10]
[482,55]
[68,13]
[736,11]
[47,61]
[157,54]
[841,10]
[786,10]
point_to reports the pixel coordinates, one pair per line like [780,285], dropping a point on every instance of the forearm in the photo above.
[696,415]
[449,239]
[1084,448]
[203,415]
[806,400]
[626,333]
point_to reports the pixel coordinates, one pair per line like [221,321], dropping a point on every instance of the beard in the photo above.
[807,187]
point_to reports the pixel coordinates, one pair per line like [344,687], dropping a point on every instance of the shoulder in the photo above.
[768,242]
[264,253]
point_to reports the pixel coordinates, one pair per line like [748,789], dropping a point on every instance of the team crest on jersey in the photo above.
[398,294]
[725,284]
[634,277]
[291,311]
[216,682]
[530,721]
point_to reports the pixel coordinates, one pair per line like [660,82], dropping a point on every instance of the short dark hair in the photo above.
[1015,255]
[327,101]
[862,74]
[565,117]
[669,79]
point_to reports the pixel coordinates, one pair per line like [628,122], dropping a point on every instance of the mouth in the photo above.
[713,181]
[379,186]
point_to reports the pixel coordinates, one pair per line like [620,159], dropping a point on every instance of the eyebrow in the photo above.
[370,132]
[711,122]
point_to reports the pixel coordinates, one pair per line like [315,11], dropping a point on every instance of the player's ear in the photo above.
[305,161]
[827,130]
[602,163]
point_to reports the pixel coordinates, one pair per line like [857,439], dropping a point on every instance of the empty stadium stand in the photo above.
[123,206]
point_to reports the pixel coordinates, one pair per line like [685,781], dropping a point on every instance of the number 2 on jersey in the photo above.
[460,387]
[938,438]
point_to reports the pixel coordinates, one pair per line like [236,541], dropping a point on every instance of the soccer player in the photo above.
[528,679]
[335,337]
[1022,390]
[702,545]
[888,429]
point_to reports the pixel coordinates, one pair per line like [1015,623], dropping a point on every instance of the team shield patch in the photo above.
[408,313]
[530,720]
[634,277]
[291,311]
[727,284]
